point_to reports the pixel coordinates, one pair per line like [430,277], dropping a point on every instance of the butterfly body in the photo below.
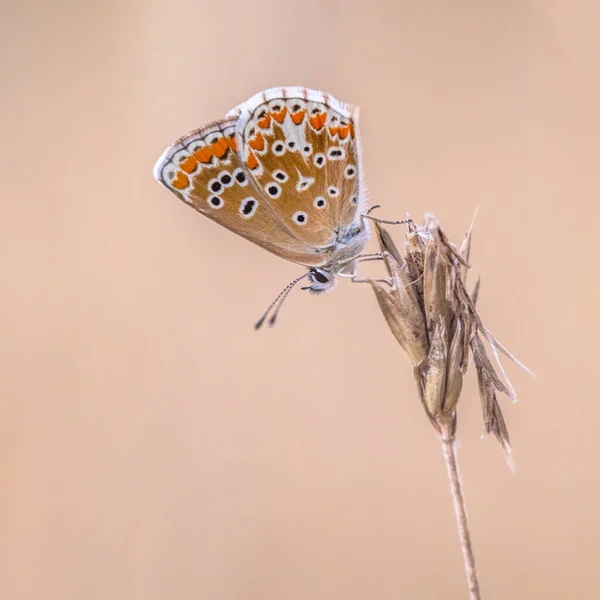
[284,171]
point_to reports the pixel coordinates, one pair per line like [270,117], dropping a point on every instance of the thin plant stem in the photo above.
[450,456]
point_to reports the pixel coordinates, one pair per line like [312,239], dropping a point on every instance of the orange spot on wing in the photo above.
[257,142]
[251,161]
[298,117]
[233,144]
[318,121]
[203,155]
[280,115]
[265,121]
[220,147]
[343,132]
[180,181]
[188,165]
[333,131]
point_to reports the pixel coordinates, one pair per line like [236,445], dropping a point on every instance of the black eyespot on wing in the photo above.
[299,218]
[240,177]
[291,144]
[215,202]
[296,108]
[226,179]
[248,207]
[215,186]
[273,189]
[278,147]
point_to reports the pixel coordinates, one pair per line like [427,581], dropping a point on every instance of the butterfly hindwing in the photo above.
[205,170]
[301,148]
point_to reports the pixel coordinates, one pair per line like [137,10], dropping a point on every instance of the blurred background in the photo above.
[153,445]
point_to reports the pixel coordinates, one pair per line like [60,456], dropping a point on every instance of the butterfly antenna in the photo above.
[280,298]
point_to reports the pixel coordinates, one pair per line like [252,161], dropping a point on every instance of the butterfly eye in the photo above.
[278,148]
[319,276]
[319,160]
[307,150]
[280,175]
[273,189]
[333,191]
[215,186]
[240,177]
[216,202]
[350,172]
[335,153]
[320,202]
[248,207]
[300,218]
[226,179]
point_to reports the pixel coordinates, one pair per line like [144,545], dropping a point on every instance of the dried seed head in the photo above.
[433,318]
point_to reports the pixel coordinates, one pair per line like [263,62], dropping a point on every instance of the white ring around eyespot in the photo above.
[243,204]
[304,183]
[280,179]
[334,149]
[242,183]
[223,173]
[268,187]
[278,152]
[222,203]
[348,175]
[297,214]
[319,199]
[333,191]
[316,157]
[219,190]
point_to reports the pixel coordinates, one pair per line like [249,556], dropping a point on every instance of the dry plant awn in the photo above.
[435,321]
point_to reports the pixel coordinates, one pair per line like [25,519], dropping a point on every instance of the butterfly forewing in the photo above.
[301,149]
[205,170]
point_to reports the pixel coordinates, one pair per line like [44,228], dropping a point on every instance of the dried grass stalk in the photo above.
[435,321]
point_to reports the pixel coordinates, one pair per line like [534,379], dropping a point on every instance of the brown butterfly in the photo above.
[284,171]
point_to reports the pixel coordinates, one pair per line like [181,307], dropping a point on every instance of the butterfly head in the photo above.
[321,279]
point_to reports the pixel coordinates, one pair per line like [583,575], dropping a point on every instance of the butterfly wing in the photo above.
[204,170]
[302,148]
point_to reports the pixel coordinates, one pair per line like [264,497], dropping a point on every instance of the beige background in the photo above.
[153,445]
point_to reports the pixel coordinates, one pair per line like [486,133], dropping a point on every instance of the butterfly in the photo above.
[282,170]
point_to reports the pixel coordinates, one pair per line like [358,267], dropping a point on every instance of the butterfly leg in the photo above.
[356,279]
[366,258]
